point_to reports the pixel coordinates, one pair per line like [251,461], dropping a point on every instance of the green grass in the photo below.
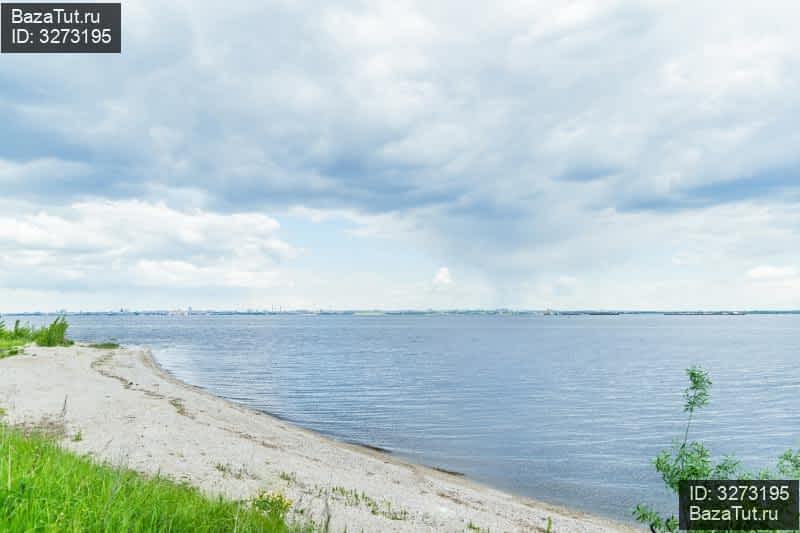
[177,403]
[53,335]
[12,340]
[44,488]
[8,349]
[105,345]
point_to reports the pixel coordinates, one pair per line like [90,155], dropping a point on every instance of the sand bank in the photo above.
[126,410]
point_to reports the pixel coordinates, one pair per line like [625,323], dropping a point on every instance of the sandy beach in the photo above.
[119,406]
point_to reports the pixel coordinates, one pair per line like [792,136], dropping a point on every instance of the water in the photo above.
[568,410]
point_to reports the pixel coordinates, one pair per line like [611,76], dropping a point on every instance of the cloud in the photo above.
[122,244]
[766,272]
[443,110]
[616,142]
[442,278]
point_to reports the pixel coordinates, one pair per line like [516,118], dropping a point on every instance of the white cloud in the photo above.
[767,272]
[123,244]
[442,278]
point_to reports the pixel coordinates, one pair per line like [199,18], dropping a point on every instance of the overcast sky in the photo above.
[408,154]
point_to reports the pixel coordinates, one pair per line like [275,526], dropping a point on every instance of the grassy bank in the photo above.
[45,488]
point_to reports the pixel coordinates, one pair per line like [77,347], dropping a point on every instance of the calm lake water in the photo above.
[569,409]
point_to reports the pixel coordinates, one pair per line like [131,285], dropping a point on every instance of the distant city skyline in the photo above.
[408,155]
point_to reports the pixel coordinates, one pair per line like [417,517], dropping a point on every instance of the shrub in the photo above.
[692,460]
[53,335]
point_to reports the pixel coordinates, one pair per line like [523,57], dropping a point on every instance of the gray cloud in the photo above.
[517,139]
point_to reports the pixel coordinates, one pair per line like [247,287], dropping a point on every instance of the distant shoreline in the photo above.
[373,313]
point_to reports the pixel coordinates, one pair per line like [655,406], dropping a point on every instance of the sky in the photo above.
[408,155]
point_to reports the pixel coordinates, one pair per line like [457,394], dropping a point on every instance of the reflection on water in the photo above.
[568,410]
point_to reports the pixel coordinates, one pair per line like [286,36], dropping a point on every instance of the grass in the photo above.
[105,345]
[289,478]
[234,472]
[53,335]
[354,498]
[273,503]
[177,403]
[13,340]
[7,350]
[45,488]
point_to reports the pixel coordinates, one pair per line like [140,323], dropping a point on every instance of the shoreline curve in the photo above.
[132,412]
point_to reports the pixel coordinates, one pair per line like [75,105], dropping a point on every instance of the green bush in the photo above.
[692,460]
[53,335]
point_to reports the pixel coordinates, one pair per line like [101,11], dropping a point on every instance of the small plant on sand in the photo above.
[274,504]
[105,346]
[234,472]
[177,403]
[289,478]
[354,498]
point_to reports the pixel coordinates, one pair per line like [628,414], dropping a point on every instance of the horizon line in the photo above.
[253,311]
